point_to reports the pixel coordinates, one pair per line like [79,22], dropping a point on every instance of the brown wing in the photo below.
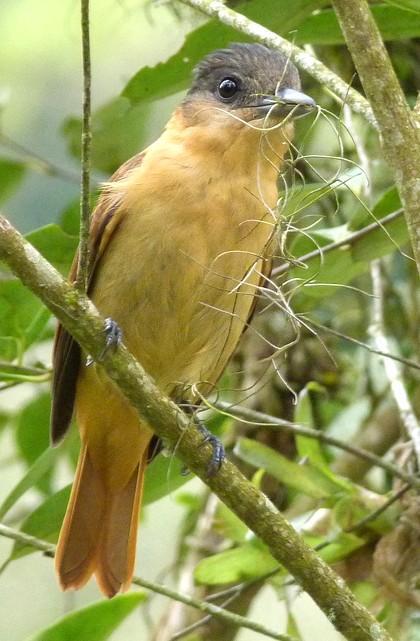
[265,274]
[66,351]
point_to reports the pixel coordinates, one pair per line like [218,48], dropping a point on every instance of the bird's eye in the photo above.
[227,88]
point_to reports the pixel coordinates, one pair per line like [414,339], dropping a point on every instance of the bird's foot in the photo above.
[218,453]
[113,337]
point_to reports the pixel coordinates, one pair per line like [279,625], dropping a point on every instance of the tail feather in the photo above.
[99,531]
[76,548]
[117,547]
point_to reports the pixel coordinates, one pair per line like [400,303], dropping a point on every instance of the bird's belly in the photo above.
[184,299]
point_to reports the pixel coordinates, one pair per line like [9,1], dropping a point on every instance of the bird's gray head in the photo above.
[251,80]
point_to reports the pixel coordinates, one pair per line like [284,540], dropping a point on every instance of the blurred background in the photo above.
[336,184]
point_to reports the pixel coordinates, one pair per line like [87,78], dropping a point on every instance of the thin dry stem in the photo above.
[392,368]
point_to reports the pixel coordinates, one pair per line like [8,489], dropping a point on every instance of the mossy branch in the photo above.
[399,131]
[78,315]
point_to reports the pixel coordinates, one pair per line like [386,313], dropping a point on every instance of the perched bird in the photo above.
[179,246]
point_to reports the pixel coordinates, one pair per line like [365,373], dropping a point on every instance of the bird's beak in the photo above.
[287,101]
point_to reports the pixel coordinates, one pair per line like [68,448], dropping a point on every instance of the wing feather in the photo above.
[66,351]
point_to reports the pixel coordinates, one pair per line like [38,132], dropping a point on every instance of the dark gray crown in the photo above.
[259,70]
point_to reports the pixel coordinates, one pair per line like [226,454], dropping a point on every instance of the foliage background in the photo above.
[40,90]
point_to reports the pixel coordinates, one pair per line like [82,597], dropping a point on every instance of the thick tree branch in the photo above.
[310,64]
[82,320]
[400,135]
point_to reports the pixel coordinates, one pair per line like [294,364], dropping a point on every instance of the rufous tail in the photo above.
[99,531]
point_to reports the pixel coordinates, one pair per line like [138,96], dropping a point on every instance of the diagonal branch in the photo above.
[81,319]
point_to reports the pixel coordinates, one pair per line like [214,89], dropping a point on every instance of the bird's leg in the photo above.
[218,453]
[113,337]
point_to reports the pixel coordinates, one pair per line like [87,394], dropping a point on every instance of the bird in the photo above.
[179,247]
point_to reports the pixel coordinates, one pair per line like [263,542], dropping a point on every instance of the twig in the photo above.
[174,617]
[255,419]
[80,318]
[310,64]
[344,242]
[36,162]
[359,524]
[82,271]
[370,348]
[392,370]
[204,620]
[350,240]
[5,366]
[49,550]
[377,435]
[26,539]
[380,510]
[210,608]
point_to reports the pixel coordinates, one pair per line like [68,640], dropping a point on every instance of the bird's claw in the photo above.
[218,454]
[113,337]
[113,333]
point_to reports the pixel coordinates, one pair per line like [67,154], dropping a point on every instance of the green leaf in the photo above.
[34,331]
[343,264]
[94,623]
[407,5]
[11,173]
[70,218]
[323,28]
[165,473]
[246,561]
[299,198]
[174,75]
[322,276]
[18,308]
[163,476]
[9,349]
[308,448]
[387,203]
[55,245]
[32,435]
[43,523]
[39,468]
[119,130]
[350,510]
[292,628]
[303,478]
[339,548]
[4,419]
[229,525]
[381,242]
